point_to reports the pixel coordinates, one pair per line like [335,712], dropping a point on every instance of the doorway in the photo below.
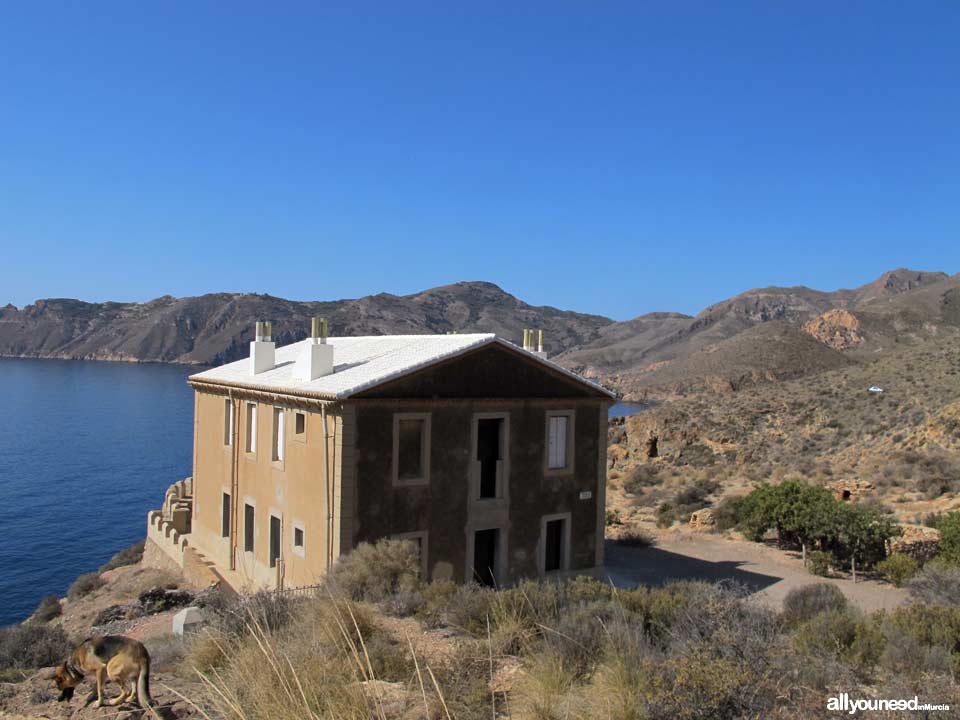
[485,544]
[553,545]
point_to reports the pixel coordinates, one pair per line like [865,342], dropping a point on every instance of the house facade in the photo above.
[488,456]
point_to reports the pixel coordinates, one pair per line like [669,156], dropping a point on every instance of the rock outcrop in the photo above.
[839,329]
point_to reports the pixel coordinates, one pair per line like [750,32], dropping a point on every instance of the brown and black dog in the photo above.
[121,659]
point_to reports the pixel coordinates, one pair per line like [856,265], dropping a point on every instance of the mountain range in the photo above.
[760,335]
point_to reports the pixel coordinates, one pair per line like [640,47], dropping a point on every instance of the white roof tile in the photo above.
[361,363]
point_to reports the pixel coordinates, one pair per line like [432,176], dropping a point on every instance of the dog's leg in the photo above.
[101,679]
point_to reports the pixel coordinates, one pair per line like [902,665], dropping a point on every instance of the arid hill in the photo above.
[212,329]
[724,345]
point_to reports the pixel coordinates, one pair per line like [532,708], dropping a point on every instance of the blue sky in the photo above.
[616,158]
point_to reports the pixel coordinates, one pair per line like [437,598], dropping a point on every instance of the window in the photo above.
[224,514]
[559,441]
[251,427]
[298,539]
[278,435]
[489,434]
[300,424]
[274,540]
[411,448]
[248,528]
[227,422]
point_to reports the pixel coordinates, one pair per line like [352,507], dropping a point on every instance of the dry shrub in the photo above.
[545,689]
[48,609]
[30,646]
[937,584]
[801,604]
[84,585]
[128,556]
[375,572]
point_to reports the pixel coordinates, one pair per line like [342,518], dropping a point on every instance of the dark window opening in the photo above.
[225,515]
[553,546]
[298,537]
[488,453]
[300,424]
[274,540]
[652,449]
[248,528]
[485,556]
[410,450]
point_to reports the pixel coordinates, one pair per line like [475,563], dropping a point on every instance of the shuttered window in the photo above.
[278,434]
[227,422]
[248,529]
[557,434]
[251,427]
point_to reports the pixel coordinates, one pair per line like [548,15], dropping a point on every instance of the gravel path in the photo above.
[770,572]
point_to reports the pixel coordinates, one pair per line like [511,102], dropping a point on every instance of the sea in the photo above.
[86,450]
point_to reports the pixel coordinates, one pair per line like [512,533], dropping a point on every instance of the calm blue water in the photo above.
[86,449]
[622,409]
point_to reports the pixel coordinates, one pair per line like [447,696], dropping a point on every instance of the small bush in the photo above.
[726,513]
[466,607]
[128,556]
[375,572]
[898,568]
[31,646]
[949,527]
[802,604]
[48,609]
[642,477]
[84,585]
[937,584]
[634,537]
[820,562]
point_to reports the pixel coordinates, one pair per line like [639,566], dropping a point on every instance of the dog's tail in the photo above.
[143,688]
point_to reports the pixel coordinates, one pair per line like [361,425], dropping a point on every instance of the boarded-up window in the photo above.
[557,442]
[278,434]
[410,455]
[251,427]
[225,515]
[227,422]
[248,528]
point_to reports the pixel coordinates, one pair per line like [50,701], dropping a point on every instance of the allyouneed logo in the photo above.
[844,703]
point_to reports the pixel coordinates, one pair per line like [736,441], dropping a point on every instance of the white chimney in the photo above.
[262,350]
[539,352]
[316,359]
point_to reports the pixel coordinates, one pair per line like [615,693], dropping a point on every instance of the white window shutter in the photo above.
[561,442]
[280,434]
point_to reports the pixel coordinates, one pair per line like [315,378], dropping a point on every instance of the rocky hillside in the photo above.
[212,329]
[726,347]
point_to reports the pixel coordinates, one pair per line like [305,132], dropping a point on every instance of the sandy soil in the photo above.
[769,572]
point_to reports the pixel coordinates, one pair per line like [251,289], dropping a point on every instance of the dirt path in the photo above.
[700,556]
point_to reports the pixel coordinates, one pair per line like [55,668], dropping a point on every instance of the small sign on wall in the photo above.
[586,495]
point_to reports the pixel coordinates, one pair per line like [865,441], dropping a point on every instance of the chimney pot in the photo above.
[262,350]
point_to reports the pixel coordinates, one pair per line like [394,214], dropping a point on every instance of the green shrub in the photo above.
[374,572]
[726,513]
[949,527]
[30,646]
[48,609]
[802,604]
[898,568]
[819,562]
[84,585]
[128,556]
[844,635]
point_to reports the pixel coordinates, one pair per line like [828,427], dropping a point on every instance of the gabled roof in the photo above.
[362,363]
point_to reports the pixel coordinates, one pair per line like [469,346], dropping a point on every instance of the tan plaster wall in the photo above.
[295,490]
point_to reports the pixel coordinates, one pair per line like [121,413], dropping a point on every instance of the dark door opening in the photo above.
[488,453]
[485,556]
[553,546]
[274,540]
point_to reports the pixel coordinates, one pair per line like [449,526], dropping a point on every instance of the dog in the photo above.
[121,659]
